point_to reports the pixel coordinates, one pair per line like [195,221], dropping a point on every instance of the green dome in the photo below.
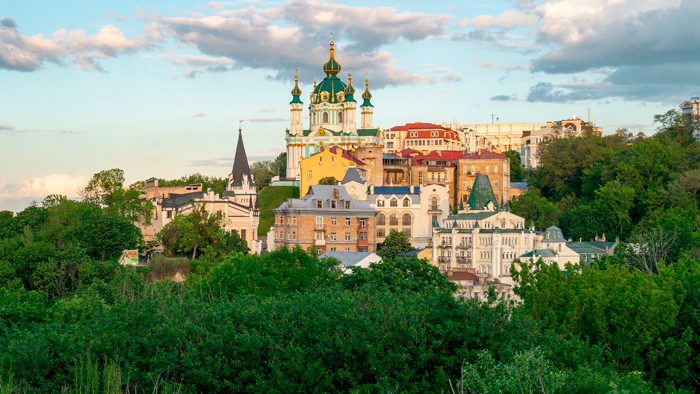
[331,67]
[332,85]
[349,90]
[367,95]
[296,92]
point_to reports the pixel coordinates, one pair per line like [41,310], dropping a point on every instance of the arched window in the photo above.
[406,219]
[340,117]
[434,203]
[406,202]
[325,117]
[381,220]
[394,203]
[393,220]
[380,202]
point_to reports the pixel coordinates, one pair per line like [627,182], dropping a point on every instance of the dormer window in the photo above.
[347,204]
[380,202]
[406,202]
[394,203]
[334,204]
[319,203]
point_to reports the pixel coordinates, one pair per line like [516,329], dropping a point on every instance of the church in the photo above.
[332,118]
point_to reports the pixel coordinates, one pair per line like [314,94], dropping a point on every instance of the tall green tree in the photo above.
[329,180]
[106,189]
[263,171]
[394,244]
[189,233]
[517,170]
[533,206]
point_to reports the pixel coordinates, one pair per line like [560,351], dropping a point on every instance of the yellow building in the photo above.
[331,162]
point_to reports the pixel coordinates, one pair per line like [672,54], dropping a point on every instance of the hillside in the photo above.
[269,198]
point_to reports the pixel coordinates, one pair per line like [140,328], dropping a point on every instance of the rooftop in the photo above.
[349,259]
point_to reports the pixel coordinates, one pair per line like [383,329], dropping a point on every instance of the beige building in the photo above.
[327,219]
[496,167]
[422,136]
[238,204]
[496,136]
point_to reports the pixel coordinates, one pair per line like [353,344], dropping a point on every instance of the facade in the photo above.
[530,144]
[238,204]
[327,219]
[411,210]
[332,118]
[421,136]
[493,167]
[331,162]
[691,108]
[554,249]
[498,136]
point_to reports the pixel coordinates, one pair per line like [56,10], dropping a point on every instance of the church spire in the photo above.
[332,66]
[366,95]
[241,168]
[296,92]
[349,90]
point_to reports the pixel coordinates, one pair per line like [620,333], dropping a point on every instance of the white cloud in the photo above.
[508,20]
[6,127]
[295,34]
[40,187]
[20,52]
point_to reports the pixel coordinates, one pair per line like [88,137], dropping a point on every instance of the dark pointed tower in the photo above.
[241,169]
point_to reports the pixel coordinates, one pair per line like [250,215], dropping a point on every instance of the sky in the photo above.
[157,88]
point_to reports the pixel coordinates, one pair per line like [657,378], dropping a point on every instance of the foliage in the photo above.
[394,244]
[270,198]
[517,170]
[628,313]
[106,189]
[263,171]
[208,182]
[532,206]
[329,180]
[281,164]
[399,275]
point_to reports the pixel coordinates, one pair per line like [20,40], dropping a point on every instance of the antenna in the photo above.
[492,116]
[240,121]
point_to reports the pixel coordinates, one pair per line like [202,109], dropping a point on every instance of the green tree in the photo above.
[188,233]
[329,180]
[106,189]
[263,171]
[532,206]
[394,244]
[517,170]
[281,165]
[208,182]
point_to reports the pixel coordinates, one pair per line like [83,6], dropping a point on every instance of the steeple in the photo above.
[296,92]
[241,168]
[367,95]
[349,90]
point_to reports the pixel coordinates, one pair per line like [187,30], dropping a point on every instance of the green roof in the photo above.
[482,193]
[349,90]
[332,85]
[472,216]
[591,247]
[367,132]
[366,95]
[296,92]
[331,67]
[540,253]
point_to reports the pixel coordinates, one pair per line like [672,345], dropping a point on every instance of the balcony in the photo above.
[320,227]
[444,259]
[362,228]
[464,246]
[445,246]
[362,242]
[319,242]
[464,260]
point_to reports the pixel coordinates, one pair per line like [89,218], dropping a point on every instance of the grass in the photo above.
[270,198]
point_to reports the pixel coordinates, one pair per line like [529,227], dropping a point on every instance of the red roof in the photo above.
[425,134]
[484,154]
[418,126]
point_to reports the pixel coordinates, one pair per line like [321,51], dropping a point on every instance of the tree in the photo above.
[399,275]
[394,244]
[517,170]
[106,190]
[329,180]
[532,206]
[188,233]
[281,165]
[263,171]
[208,182]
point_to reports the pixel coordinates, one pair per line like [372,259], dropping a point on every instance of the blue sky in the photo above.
[156,88]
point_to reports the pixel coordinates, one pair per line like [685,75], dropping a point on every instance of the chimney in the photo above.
[371,189]
[411,189]
[336,194]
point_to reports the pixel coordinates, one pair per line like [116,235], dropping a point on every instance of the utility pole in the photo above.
[492,116]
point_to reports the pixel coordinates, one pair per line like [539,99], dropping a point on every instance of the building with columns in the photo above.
[332,118]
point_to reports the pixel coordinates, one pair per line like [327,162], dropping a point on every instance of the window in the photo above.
[294,220]
[420,177]
[434,204]
[332,249]
[319,250]
[393,220]
[347,236]
[318,235]
[319,204]
[495,168]
[406,202]
[347,249]
[334,204]
[464,169]
[488,168]
[380,202]
[381,220]
[320,160]
[361,222]
[362,236]
[169,214]
[473,169]
[243,234]
[325,117]
[340,117]
[310,174]
[332,159]
[347,204]
[294,235]
[393,203]
[347,221]
[319,221]
[380,233]
[333,237]
[407,232]
[465,184]
[334,221]
[406,219]
[495,184]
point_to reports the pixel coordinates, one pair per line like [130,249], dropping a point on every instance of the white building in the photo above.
[353,259]
[503,136]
